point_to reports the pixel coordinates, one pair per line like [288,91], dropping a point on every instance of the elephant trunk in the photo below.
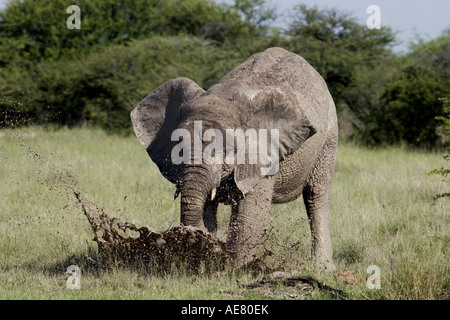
[198,183]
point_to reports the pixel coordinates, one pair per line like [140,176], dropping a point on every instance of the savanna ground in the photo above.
[382,207]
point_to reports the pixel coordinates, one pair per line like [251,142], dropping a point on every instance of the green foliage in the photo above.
[338,48]
[40,26]
[410,107]
[386,99]
[411,96]
[102,88]
[446,117]
[126,48]
[247,27]
[444,172]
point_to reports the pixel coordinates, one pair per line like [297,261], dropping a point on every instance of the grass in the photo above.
[382,214]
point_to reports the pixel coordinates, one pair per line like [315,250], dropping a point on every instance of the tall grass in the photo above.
[382,207]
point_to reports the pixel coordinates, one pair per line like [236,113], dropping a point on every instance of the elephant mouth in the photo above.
[228,193]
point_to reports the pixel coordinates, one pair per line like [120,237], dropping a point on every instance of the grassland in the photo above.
[382,206]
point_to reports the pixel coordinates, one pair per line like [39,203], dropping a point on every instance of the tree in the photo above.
[247,27]
[388,99]
[101,88]
[411,95]
[49,73]
[445,118]
[338,48]
[36,29]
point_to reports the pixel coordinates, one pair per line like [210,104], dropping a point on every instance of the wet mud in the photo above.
[127,245]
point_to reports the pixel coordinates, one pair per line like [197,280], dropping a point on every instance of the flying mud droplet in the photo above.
[161,242]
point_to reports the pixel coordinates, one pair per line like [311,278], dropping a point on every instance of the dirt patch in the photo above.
[289,285]
[178,247]
[296,287]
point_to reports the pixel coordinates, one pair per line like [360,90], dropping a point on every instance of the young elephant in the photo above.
[275,90]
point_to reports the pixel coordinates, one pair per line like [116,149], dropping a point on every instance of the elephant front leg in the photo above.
[249,218]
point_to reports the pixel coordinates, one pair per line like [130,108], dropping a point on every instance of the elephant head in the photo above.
[231,105]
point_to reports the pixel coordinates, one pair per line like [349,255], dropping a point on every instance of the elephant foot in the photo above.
[327,266]
[240,260]
[323,262]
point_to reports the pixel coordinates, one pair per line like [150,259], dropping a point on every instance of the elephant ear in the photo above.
[287,128]
[157,116]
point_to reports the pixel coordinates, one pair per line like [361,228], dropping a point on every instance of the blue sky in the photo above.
[426,18]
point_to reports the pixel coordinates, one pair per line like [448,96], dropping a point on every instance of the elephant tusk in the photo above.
[213,193]
[176,193]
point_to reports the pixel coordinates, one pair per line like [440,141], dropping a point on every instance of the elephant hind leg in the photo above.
[249,219]
[316,195]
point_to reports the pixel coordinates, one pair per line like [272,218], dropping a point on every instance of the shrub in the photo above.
[444,172]
[102,88]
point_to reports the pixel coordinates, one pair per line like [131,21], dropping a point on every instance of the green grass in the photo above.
[382,214]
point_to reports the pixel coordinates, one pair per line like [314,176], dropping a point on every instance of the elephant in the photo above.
[272,90]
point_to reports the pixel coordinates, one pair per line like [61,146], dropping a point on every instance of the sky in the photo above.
[425,18]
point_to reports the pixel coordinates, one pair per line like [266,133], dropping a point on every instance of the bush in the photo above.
[409,100]
[444,172]
[36,30]
[124,50]
[102,88]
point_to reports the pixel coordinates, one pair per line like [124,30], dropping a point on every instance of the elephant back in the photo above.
[288,72]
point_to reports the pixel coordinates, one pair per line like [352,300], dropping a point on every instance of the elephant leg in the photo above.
[249,218]
[210,216]
[316,195]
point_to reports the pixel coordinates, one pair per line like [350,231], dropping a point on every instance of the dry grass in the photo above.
[382,214]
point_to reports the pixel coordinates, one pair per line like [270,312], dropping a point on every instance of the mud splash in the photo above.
[182,248]
[124,244]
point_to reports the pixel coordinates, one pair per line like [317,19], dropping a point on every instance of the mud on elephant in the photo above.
[276,91]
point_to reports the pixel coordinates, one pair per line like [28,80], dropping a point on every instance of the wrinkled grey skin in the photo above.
[272,89]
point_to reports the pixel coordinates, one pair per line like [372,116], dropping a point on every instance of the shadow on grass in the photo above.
[89,261]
